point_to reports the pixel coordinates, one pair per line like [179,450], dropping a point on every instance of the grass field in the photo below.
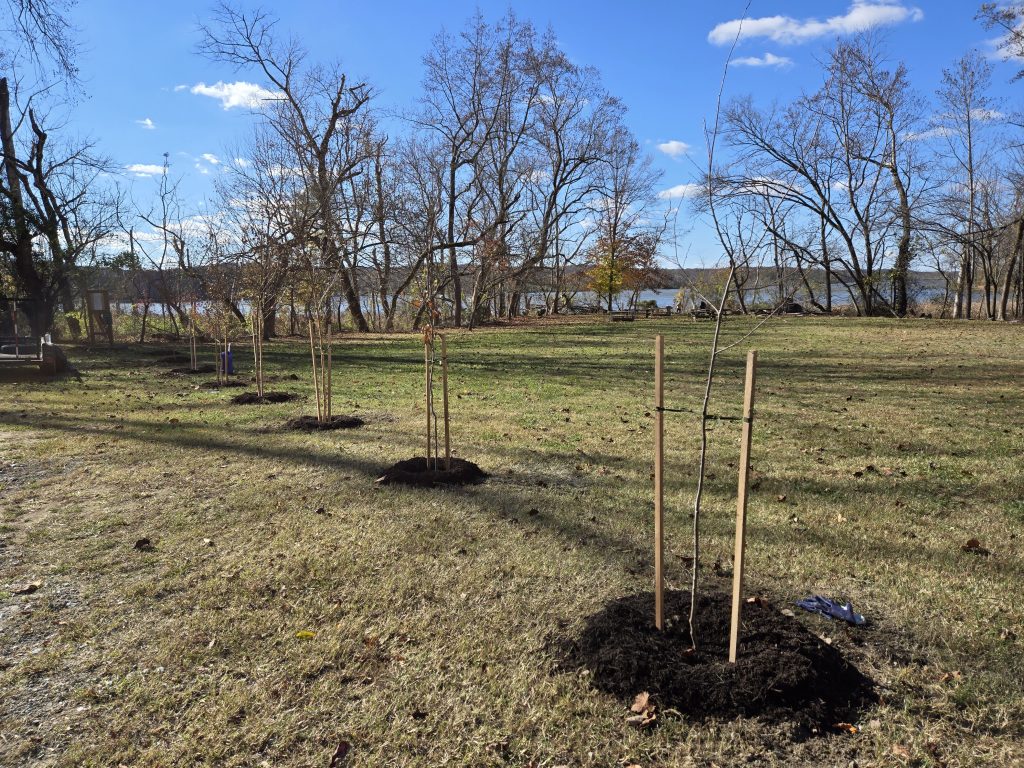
[420,625]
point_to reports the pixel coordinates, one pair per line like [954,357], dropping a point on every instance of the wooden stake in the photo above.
[659,496]
[426,389]
[741,505]
[329,390]
[192,346]
[316,381]
[444,396]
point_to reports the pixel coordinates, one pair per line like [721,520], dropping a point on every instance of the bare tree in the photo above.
[964,109]
[317,114]
[56,205]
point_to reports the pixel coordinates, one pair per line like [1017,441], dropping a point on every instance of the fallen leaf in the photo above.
[781,497]
[305,634]
[340,753]
[29,588]
[642,721]
[848,727]
[641,703]
[900,751]
[974,547]
[787,612]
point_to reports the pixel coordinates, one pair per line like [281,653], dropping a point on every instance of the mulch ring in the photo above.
[312,424]
[186,371]
[254,398]
[416,472]
[784,672]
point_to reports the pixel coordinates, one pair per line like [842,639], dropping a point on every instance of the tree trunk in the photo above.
[1010,267]
[269,324]
[453,262]
[354,307]
[40,313]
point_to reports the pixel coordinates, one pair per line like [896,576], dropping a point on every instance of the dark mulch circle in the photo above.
[416,472]
[312,424]
[783,671]
[205,368]
[253,398]
[230,383]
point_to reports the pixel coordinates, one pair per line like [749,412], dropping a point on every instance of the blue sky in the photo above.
[664,59]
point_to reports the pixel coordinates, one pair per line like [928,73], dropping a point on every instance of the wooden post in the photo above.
[741,505]
[444,396]
[192,343]
[659,455]
[329,388]
[316,380]
[426,388]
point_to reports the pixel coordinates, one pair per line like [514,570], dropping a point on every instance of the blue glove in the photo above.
[831,609]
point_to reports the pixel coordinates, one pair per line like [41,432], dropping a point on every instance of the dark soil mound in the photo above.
[311,424]
[783,671]
[224,384]
[252,398]
[205,368]
[416,472]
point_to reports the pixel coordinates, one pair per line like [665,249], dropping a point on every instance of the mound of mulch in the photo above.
[230,383]
[416,472]
[205,368]
[253,398]
[312,424]
[783,671]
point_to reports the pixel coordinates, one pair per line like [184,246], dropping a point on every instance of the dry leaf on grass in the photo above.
[339,754]
[900,751]
[642,721]
[644,708]
[974,547]
[305,634]
[641,703]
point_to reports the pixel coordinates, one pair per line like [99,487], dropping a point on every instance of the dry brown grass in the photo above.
[420,626]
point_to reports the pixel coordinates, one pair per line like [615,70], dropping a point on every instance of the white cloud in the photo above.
[679,191]
[237,94]
[938,132]
[202,169]
[148,124]
[241,162]
[987,115]
[144,170]
[674,148]
[179,88]
[768,60]
[211,158]
[861,16]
